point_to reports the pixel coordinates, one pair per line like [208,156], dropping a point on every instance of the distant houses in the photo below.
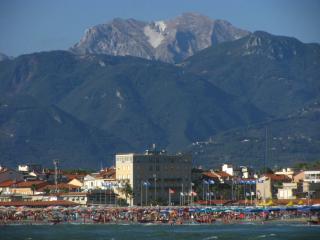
[157,178]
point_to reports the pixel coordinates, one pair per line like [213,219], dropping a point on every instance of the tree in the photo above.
[47,191]
[127,191]
[33,188]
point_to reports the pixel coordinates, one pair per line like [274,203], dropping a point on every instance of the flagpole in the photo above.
[245,194]
[110,193]
[191,196]
[146,194]
[105,196]
[202,190]
[141,193]
[169,197]
[250,195]
[182,194]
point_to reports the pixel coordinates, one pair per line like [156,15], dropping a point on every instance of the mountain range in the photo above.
[3,57]
[169,41]
[279,142]
[114,92]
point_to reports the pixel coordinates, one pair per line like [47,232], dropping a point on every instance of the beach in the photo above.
[158,215]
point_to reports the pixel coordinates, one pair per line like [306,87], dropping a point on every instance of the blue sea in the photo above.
[155,232]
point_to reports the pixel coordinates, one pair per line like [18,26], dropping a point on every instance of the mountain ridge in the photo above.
[166,40]
[134,101]
[260,66]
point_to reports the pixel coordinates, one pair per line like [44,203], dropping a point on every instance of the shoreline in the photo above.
[293,221]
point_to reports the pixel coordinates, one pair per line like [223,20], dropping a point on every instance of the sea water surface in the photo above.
[155,232]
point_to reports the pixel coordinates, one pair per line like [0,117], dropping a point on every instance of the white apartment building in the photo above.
[312,176]
[153,173]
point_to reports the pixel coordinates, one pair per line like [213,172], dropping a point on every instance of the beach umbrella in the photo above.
[315,208]
[300,202]
[256,210]
[290,204]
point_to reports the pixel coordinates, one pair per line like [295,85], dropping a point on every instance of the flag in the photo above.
[171,191]
[205,182]
[146,183]
[192,184]
[211,182]
[181,194]
[192,193]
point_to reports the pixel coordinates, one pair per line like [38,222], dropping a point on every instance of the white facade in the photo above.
[312,176]
[91,182]
[23,168]
[286,171]
[159,171]
[287,191]
[228,169]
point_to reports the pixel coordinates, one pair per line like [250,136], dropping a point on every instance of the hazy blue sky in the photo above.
[36,25]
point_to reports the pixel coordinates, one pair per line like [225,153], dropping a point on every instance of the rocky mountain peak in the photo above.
[271,46]
[166,40]
[3,57]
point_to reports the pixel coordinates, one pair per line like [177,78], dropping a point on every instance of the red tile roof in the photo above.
[216,174]
[7,183]
[279,177]
[26,184]
[223,174]
[74,176]
[210,175]
[109,173]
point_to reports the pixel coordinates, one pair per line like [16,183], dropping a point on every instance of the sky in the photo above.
[28,26]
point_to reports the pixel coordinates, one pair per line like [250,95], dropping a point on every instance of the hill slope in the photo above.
[31,132]
[290,140]
[139,101]
[277,74]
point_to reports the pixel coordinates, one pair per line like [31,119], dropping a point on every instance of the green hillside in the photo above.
[33,133]
[280,142]
[277,74]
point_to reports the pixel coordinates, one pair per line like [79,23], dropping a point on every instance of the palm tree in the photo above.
[127,191]
[33,188]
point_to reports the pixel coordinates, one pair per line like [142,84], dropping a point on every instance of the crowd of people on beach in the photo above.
[155,215]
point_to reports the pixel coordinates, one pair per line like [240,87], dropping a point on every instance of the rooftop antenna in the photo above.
[55,163]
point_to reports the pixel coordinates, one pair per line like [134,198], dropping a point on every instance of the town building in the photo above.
[102,197]
[104,179]
[312,176]
[228,168]
[217,176]
[267,185]
[10,174]
[76,197]
[289,190]
[26,168]
[151,175]
[286,171]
